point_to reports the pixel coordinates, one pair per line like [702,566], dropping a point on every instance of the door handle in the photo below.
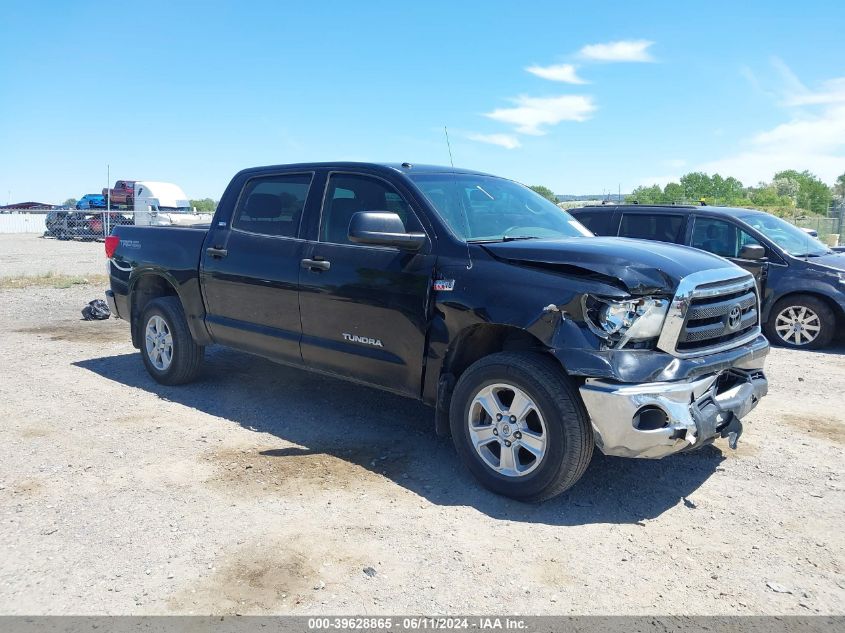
[216,251]
[315,265]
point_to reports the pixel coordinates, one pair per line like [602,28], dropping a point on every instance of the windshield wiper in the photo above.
[504,238]
[513,238]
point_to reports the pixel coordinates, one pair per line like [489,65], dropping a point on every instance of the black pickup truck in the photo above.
[532,339]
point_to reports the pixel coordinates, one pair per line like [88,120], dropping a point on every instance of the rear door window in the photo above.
[652,226]
[273,205]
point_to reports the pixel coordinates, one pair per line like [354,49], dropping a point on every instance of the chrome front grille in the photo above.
[712,310]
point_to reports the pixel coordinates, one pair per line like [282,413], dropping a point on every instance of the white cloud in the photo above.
[825,131]
[566,73]
[508,141]
[833,91]
[813,138]
[532,114]
[621,51]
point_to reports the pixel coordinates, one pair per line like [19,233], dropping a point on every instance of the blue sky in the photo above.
[581,97]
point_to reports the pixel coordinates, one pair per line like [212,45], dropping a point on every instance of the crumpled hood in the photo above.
[642,266]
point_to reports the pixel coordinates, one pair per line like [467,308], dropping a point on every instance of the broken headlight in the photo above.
[619,321]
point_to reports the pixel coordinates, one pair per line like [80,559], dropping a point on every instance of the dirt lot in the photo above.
[262,489]
[30,254]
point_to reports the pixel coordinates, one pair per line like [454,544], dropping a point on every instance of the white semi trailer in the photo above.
[164,204]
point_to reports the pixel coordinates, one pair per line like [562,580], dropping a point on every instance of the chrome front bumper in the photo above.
[671,416]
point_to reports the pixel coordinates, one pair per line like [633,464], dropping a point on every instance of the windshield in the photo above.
[788,236]
[486,208]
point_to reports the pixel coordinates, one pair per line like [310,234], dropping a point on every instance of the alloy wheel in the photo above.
[507,430]
[159,343]
[797,325]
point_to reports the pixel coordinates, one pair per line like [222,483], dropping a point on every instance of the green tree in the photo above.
[697,185]
[70,202]
[839,188]
[813,194]
[646,195]
[673,193]
[788,187]
[547,193]
[734,192]
[206,205]
[765,196]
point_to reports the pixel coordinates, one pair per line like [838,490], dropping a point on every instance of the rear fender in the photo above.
[187,290]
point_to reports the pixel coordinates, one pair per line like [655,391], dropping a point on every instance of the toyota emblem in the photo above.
[734,317]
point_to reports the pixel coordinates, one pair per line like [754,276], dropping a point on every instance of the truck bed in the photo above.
[172,253]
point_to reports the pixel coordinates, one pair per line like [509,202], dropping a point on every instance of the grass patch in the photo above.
[52,280]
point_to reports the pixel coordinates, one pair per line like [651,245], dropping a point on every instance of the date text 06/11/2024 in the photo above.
[418,623]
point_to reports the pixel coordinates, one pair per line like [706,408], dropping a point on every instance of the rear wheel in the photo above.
[519,425]
[169,352]
[801,321]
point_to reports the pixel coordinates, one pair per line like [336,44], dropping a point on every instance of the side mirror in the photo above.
[752,251]
[382,228]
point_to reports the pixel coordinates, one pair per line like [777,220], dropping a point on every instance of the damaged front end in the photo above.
[712,313]
[653,420]
[668,353]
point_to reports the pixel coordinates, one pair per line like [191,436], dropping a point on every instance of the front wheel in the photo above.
[519,425]
[801,321]
[170,354]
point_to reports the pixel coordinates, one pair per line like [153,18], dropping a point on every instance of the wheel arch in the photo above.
[470,345]
[143,289]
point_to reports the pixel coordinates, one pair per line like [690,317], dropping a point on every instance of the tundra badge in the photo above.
[362,339]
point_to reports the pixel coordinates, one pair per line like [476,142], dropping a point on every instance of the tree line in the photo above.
[788,191]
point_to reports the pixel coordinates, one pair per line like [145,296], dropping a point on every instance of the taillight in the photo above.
[111,245]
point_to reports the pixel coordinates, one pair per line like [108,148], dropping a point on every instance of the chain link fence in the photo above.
[95,224]
[829,229]
[83,224]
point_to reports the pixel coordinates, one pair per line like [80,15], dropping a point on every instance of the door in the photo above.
[726,239]
[250,273]
[364,308]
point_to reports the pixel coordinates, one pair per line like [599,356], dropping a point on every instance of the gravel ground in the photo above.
[264,489]
[30,254]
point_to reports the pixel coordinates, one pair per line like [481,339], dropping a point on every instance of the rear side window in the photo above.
[273,205]
[599,222]
[652,226]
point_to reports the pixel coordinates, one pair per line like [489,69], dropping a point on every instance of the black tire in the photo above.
[569,445]
[824,313]
[186,359]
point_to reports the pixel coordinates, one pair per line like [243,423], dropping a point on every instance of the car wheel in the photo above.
[520,427]
[801,322]
[169,352]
